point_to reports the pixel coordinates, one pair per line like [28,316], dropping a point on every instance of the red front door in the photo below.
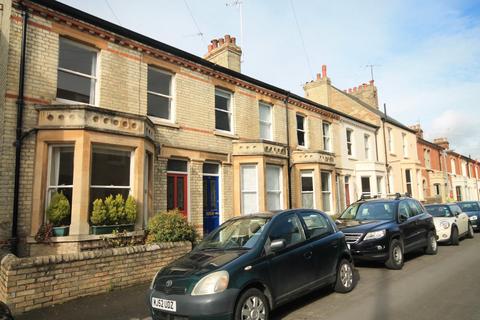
[177,192]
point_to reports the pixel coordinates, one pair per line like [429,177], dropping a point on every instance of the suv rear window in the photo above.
[469,206]
[370,211]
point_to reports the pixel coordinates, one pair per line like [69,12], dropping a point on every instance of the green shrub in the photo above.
[114,211]
[130,210]
[99,213]
[58,212]
[170,226]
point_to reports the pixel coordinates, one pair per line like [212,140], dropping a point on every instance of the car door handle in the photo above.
[308,255]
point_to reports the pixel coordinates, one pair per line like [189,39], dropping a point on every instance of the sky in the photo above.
[426,54]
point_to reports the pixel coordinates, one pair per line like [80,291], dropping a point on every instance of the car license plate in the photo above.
[163,304]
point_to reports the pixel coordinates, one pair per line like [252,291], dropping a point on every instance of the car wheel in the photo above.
[395,259]
[432,245]
[454,237]
[470,233]
[252,305]
[345,277]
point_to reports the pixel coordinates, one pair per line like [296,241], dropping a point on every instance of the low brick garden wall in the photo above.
[36,282]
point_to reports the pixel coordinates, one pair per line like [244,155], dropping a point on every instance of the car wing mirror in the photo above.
[277,245]
[402,217]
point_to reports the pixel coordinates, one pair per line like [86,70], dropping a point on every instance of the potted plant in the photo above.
[58,213]
[113,214]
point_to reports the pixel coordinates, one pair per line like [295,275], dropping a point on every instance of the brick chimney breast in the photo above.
[225,52]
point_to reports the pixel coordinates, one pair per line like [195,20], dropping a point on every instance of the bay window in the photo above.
[60,172]
[326,183]
[308,194]
[274,187]
[110,173]
[249,188]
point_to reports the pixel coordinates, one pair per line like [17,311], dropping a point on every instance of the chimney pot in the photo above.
[234,40]
[215,43]
[319,76]
[349,90]
[324,71]
[227,38]
[210,47]
[221,41]
[371,82]
[354,89]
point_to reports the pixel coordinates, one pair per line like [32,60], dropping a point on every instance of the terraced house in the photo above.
[103,110]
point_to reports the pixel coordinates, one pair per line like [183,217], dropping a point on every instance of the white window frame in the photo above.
[279,191]
[405,145]
[229,96]
[329,192]
[171,107]
[453,165]
[132,169]
[428,163]
[252,191]
[350,141]
[380,185]
[370,193]
[307,174]
[327,136]
[304,130]
[391,145]
[94,77]
[366,139]
[409,183]
[55,186]
[266,123]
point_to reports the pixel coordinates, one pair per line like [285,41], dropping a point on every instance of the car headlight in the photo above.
[473,218]
[154,278]
[445,224]
[213,283]
[375,235]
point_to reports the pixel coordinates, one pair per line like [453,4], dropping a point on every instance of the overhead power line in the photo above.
[113,12]
[200,33]
[301,38]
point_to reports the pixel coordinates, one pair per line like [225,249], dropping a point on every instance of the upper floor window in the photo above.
[350,142]
[427,158]
[453,165]
[223,110]
[301,130]
[327,143]
[159,92]
[404,145]
[76,79]
[390,140]
[366,139]
[464,168]
[265,116]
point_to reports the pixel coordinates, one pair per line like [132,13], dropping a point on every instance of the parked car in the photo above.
[385,229]
[472,209]
[450,222]
[5,313]
[252,264]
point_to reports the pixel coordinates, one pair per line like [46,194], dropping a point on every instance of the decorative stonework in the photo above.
[313,157]
[88,117]
[260,148]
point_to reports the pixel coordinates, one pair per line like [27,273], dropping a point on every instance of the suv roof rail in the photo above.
[367,197]
[398,195]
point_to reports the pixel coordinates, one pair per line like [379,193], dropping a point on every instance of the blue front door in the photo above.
[210,203]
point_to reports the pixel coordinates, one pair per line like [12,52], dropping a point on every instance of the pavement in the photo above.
[445,286]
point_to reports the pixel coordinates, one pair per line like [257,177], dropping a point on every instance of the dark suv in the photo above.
[472,209]
[252,264]
[386,229]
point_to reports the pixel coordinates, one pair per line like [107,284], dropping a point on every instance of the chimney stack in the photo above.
[442,142]
[418,130]
[365,92]
[225,52]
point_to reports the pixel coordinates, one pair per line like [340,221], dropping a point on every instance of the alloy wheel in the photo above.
[346,275]
[433,243]
[253,309]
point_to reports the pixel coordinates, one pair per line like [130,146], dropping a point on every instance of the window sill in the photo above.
[352,158]
[164,122]
[225,134]
[393,154]
[59,101]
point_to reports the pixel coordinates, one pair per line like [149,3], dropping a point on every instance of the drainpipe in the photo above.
[19,133]
[289,163]
[385,147]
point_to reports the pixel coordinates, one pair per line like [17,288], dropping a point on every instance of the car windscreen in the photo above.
[469,206]
[370,211]
[241,233]
[439,211]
